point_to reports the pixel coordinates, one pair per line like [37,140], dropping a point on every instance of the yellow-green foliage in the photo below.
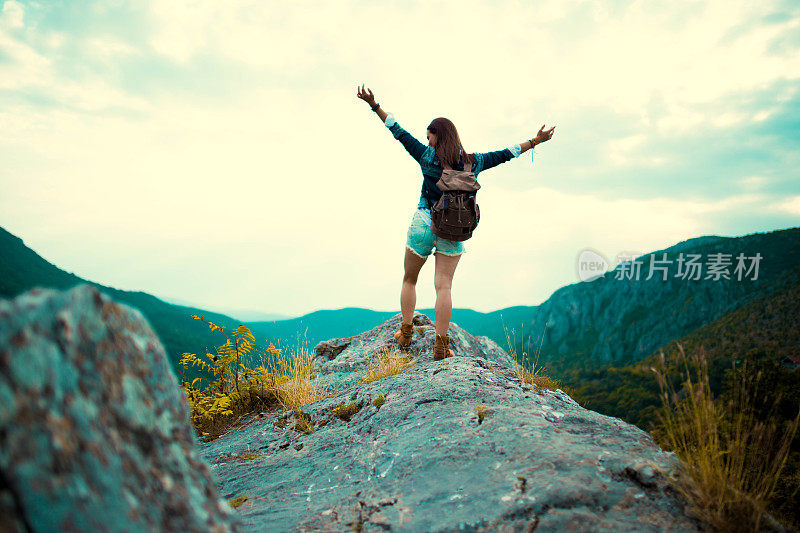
[239,458]
[380,400]
[387,362]
[481,411]
[345,411]
[232,388]
[237,501]
[725,473]
[304,423]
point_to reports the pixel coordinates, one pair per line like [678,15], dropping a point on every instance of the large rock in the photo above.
[94,428]
[424,461]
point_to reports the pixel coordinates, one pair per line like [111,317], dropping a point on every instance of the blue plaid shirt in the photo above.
[431,168]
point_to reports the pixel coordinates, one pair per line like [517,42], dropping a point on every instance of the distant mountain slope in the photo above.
[620,321]
[242,315]
[310,329]
[694,242]
[495,324]
[22,269]
[576,313]
[581,326]
[765,326]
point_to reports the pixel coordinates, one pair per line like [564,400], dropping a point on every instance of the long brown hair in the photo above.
[448,143]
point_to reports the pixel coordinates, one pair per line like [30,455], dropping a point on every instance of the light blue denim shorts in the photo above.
[421,240]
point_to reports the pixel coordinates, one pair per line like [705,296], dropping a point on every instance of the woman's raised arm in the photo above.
[409,142]
[492,159]
[541,137]
[369,98]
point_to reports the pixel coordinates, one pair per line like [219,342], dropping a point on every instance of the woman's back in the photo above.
[425,155]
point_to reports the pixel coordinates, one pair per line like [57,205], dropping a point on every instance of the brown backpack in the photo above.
[456,214]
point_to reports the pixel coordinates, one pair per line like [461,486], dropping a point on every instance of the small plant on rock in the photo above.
[239,457]
[237,501]
[299,388]
[231,387]
[303,424]
[387,362]
[345,411]
[481,411]
[380,400]
[531,373]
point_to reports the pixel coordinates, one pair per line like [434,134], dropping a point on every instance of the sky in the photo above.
[217,153]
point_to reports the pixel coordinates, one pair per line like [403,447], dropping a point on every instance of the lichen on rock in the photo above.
[94,427]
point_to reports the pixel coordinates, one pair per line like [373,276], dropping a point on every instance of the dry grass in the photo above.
[725,473]
[534,374]
[239,458]
[387,362]
[296,387]
[534,377]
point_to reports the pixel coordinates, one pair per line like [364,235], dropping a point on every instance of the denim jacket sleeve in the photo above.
[409,142]
[492,159]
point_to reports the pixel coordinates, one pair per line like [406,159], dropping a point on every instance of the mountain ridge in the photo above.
[579,325]
[22,269]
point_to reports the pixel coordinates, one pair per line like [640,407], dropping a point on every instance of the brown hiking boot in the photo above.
[442,348]
[404,335]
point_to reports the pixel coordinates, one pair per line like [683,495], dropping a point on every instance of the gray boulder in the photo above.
[94,428]
[425,461]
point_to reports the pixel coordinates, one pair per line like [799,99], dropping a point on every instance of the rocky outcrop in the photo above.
[94,428]
[458,445]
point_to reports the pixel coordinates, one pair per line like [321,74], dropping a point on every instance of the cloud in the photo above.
[217,152]
[12,15]
[109,49]
[628,151]
[789,205]
[21,66]
[751,183]
[30,75]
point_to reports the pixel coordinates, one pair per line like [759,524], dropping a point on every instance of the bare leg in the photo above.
[442,281]
[408,294]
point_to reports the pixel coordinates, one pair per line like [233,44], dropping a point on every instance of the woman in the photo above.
[444,150]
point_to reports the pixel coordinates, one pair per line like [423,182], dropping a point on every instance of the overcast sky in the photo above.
[216,152]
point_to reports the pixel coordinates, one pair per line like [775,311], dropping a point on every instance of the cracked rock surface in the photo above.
[425,461]
[94,428]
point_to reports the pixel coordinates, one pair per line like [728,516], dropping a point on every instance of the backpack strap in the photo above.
[464,162]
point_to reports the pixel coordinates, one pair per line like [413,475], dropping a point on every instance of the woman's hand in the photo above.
[367,95]
[543,135]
